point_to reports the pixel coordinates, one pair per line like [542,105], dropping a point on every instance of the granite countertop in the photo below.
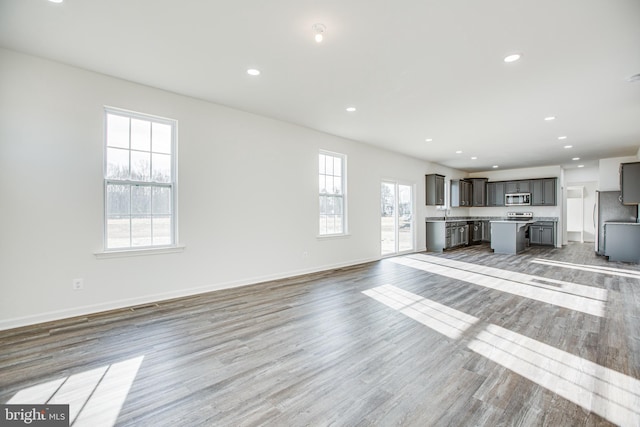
[514,221]
[488,218]
[621,223]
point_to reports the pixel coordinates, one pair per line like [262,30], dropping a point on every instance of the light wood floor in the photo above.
[316,350]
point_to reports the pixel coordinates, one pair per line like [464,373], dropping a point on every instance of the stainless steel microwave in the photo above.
[517,199]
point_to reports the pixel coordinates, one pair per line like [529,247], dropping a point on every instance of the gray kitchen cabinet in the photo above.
[630,183]
[486,231]
[434,190]
[438,237]
[522,186]
[543,192]
[445,235]
[478,191]
[495,193]
[622,241]
[459,234]
[542,233]
[460,193]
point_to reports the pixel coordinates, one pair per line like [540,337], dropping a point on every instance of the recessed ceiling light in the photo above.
[351,109]
[576,158]
[580,166]
[562,137]
[512,58]
[56,1]
[495,166]
[459,152]
[474,158]
[319,30]
[253,72]
[429,139]
[549,118]
[568,146]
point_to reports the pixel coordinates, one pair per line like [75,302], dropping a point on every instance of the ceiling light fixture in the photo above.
[351,109]
[513,57]
[429,139]
[474,158]
[56,1]
[253,72]
[568,146]
[459,152]
[580,166]
[549,118]
[576,158]
[562,137]
[495,166]
[319,29]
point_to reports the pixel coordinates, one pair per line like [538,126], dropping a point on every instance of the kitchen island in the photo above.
[509,236]
[450,232]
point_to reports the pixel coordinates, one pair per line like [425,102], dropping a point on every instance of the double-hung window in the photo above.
[332,191]
[139,181]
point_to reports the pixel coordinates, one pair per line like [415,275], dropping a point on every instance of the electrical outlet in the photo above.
[78,284]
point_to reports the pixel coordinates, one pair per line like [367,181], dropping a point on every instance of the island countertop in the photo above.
[487,218]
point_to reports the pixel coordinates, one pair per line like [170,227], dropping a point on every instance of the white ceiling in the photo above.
[414,69]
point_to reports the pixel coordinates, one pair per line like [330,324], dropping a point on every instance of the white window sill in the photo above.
[333,236]
[122,253]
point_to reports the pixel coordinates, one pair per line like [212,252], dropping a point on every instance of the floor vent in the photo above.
[144,307]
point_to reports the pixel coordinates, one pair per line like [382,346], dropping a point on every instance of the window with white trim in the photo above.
[139,181]
[332,192]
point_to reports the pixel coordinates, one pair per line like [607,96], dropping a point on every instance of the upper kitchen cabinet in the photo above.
[630,183]
[495,193]
[435,190]
[461,193]
[543,192]
[522,186]
[478,191]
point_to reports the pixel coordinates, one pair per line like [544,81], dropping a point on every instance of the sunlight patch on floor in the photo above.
[445,320]
[606,392]
[95,397]
[585,299]
[634,274]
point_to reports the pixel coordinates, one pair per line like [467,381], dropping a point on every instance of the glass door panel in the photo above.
[396,218]
[405,219]
[388,218]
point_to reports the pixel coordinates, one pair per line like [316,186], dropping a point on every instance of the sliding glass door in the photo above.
[396,218]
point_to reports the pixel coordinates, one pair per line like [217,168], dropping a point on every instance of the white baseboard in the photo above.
[147,299]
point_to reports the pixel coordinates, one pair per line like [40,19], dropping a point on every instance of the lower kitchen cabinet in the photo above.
[542,233]
[459,233]
[445,235]
[486,231]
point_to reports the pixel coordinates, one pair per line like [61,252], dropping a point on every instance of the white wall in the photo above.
[609,172]
[247,195]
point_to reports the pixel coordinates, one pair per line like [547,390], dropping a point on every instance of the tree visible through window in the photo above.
[331,167]
[139,180]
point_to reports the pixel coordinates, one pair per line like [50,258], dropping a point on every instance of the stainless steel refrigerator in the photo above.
[610,208]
